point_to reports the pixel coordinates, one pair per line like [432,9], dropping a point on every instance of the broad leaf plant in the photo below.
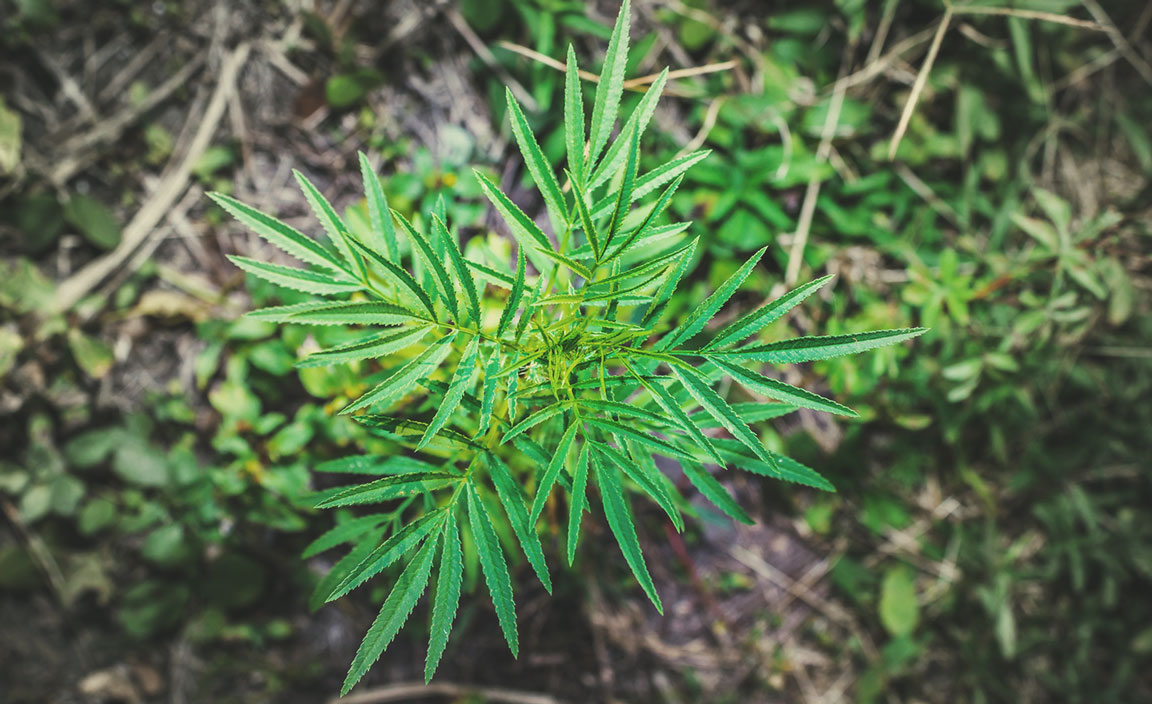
[559,379]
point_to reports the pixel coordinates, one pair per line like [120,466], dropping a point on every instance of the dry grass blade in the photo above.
[1122,45]
[1030,15]
[921,80]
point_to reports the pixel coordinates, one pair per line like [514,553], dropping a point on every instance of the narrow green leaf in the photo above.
[536,162]
[664,294]
[488,397]
[494,568]
[782,467]
[329,220]
[379,465]
[548,479]
[758,319]
[667,402]
[500,279]
[624,195]
[379,215]
[636,124]
[611,85]
[587,224]
[809,349]
[279,234]
[371,347]
[641,233]
[405,430]
[646,475]
[774,388]
[574,119]
[446,602]
[462,274]
[462,380]
[661,446]
[655,235]
[393,614]
[403,379]
[699,316]
[345,532]
[403,280]
[572,264]
[283,314]
[356,313]
[579,501]
[534,419]
[513,501]
[710,401]
[385,554]
[643,268]
[447,291]
[360,549]
[526,232]
[295,279]
[388,488]
[715,492]
[513,303]
[619,516]
[623,409]
[652,180]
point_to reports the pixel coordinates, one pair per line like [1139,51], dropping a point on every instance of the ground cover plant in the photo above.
[580,377]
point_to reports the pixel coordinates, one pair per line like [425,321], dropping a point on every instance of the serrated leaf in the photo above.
[578,502]
[699,388]
[774,388]
[461,382]
[371,347]
[611,85]
[652,180]
[345,532]
[403,379]
[488,397]
[572,264]
[447,599]
[641,232]
[462,274]
[406,430]
[623,409]
[494,568]
[664,293]
[393,614]
[397,275]
[356,313]
[526,232]
[490,274]
[444,283]
[699,316]
[534,419]
[574,118]
[513,303]
[783,467]
[624,195]
[758,319]
[343,567]
[512,499]
[636,124]
[388,488]
[670,406]
[661,446]
[378,465]
[810,349]
[551,472]
[715,492]
[387,553]
[279,234]
[587,224]
[295,279]
[643,268]
[647,477]
[379,215]
[535,160]
[620,522]
[335,228]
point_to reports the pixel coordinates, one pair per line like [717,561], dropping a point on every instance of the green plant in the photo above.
[580,382]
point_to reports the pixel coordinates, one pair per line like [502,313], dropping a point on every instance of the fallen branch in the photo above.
[415,690]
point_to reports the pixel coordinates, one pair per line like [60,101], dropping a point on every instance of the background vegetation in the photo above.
[980,170]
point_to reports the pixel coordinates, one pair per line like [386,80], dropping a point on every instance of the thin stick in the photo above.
[170,189]
[921,80]
[1029,15]
[808,209]
[414,690]
[1122,45]
[485,54]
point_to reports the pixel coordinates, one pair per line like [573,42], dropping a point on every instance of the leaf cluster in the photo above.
[558,374]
